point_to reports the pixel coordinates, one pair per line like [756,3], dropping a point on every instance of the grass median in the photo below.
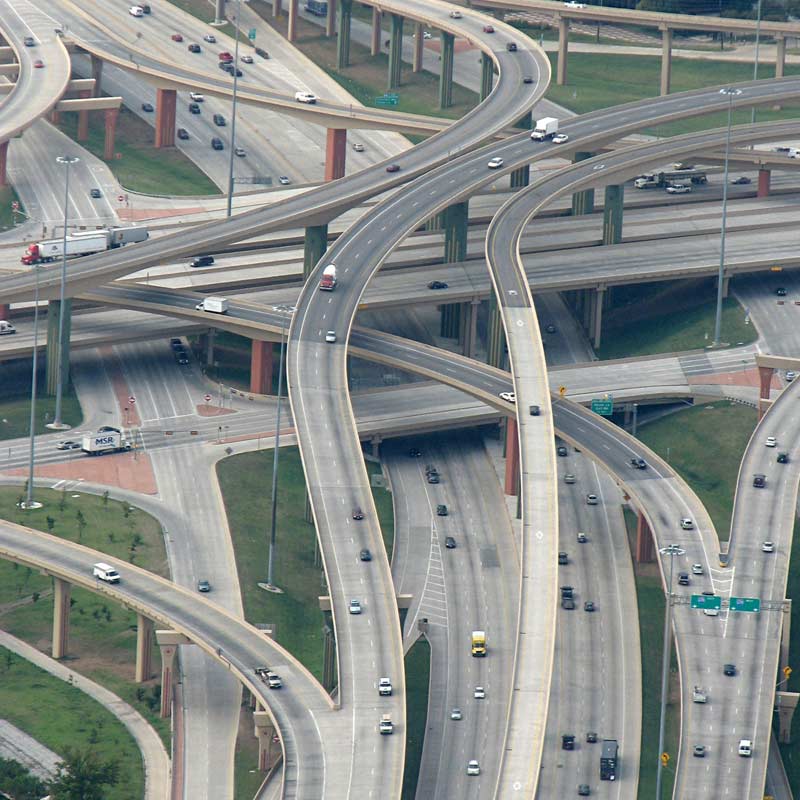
[418,673]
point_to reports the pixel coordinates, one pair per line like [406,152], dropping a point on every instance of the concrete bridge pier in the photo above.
[786,626]
[511,486]
[111,115]
[375,41]
[261,363]
[335,153]
[419,45]
[596,326]
[765,384]
[496,335]
[522,176]
[645,549]
[3,163]
[53,313]
[83,117]
[314,247]
[666,59]
[97,74]
[780,56]
[613,208]
[563,47]
[61,607]
[456,221]
[764,178]
[786,703]
[168,642]
[144,648]
[345,23]
[395,52]
[470,326]
[291,31]
[487,76]
[446,72]
[165,117]
[5,311]
[582,202]
[330,19]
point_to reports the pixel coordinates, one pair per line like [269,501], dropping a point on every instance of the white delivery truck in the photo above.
[102,442]
[6,327]
[216,305]
[546,128]
[106,573]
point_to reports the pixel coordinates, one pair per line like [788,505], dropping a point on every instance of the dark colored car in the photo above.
[759,480]
[591,737]
[683,579]
[202,261]
[567,591]
[365,555]
[181,357]
[415,452]
[527,79]
[550,328]
[441,510]
[358,513]
[194,48]
[638,463]
[147,107]
[194,108]
[583,790]
[203,586]
[511,47]
[393,168]
[563,558]
[740,181]
[780,291]
[567,603]
[561,450]
[449,542]
[176,343]
[219,120]
[567,742]
[535,411]
[95,193]
[176,37]
[433,477]
[783,458]
[29,41]
[262,53]
[183,133]
[437,285]
[217,144]
[589,605]
[729,669]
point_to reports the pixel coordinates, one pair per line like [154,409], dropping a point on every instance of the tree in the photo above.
[83,776]
[18,783]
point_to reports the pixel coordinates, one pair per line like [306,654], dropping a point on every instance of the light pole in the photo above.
[57,424]
[730,93]
[233,110]
[670,550]
[270,586]
[29,502]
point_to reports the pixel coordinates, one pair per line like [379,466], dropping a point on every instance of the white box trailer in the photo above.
[97,444]
[216,305]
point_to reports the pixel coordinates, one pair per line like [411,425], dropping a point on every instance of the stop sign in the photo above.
[120,198]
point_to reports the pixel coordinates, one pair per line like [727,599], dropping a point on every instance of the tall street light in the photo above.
[730,93]
[29,503]
[670,550]
[57,424]
[233,110]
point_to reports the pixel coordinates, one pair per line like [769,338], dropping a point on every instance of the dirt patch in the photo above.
[748,377]
[122,391]
[206,410]
[136,214]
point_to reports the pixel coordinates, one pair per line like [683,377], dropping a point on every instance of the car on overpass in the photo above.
[305,97]
[679,188]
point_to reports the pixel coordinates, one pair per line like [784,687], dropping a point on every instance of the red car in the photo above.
[38,64]
[226,57]
[393,168]
[488,29]
[176,37]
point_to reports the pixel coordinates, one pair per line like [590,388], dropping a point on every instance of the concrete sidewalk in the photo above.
[157,766]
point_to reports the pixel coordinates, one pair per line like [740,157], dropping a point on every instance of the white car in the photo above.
[240,151]
[330,337]
[679,188]
[247,59]
[455,15]
[790,376]
[510,397]
[384,687]
[479,693]
[560,138]
[427,35]
[355,606]
[711,612]
[209,37]
[687,524]
[771,441]
[473,768]
[136,11]
[697,569]
[358,147]
[573,4]
[495,163]
[305,97]
[196,97]
[591,499]
[456,714]
[767,547]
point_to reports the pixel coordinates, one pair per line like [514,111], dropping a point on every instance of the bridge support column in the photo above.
[395,52]
[446,72]
[375,444]
[456,220]
[5,311]
[53,312]
[165,117]
[330,20]
[786,619]
[645,550]
[61,606]
[314,247]
[110,115]
[329,659]
[666,59]
[3,163]
[168,653]
[335,154]
[97,74]
[83,117]
[522,176]
[613,207]
[487,76]
[277,8]
[582,202]
[786,703]
[55,116]
[765,384]
[345,23]
[375,41]
[471,327]
[264,732]
[780,56]
[144,648]
[764,176]
[512,457]
[261,367]
[419,45]
[291,30]
[209,346]
[597,316]
[563,47]
[495,336]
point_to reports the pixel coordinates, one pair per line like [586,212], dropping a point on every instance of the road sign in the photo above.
[603,406]
[562,390]
[120,198]
[132,400]
[664,759]
[787,672]
[391,95]
[745,604]
[385,101]
[251,34]
[706,601]
[208,398]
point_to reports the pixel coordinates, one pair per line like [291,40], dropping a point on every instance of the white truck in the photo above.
[6,327]
[102,442]
[546,128]
[699,695]
[83,243]
[216,305]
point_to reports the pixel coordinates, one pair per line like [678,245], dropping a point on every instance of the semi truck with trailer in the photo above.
[102,442]
[83,243]
[328,281]
[660,180]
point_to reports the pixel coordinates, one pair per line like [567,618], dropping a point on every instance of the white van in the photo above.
[745,748]
[106,573]
[136,11]
[6,327]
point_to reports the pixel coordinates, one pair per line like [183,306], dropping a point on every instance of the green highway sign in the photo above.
[603,406]
[385,101]
[251,34]
[706,601]
[391,94]
[745,604]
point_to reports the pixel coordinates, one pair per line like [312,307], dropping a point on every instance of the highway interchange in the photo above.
[326,430]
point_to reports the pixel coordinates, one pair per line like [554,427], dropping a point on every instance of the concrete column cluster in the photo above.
[487,76]
[314,246]
[446,72]
[456,221]
[261,362]
[395,52]
[613,206]
[582,202]
[165,117]
[335,152]
[345,24]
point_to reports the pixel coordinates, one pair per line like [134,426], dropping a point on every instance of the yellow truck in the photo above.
[478,643]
